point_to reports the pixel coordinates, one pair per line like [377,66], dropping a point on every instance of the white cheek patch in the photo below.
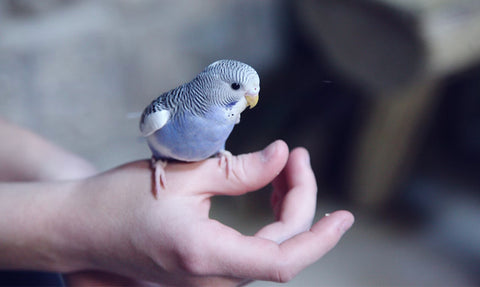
[233,113]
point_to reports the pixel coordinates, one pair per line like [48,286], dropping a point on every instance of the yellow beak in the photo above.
[252,100]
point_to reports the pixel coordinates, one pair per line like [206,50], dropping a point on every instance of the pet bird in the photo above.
[193,121]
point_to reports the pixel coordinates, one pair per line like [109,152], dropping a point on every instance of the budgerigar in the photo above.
[193,121]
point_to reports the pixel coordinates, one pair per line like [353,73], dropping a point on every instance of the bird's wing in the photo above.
[159,112]
[153,121]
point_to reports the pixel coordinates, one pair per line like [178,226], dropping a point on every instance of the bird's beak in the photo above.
[252,100]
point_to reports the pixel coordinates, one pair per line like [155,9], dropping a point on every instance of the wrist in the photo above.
[70,237]
[95,228]
[29,225]
[86,232]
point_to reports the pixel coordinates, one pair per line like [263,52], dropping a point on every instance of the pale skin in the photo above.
[95,226]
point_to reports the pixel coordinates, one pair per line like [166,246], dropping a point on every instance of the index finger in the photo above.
[294,198]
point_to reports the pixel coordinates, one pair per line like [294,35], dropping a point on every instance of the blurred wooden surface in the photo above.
[387,44]
[398,51]
[389,141]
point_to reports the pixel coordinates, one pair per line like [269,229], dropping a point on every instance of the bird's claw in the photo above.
[158,167]
[226,159]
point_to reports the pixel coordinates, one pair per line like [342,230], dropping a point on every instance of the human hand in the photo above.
[117,226]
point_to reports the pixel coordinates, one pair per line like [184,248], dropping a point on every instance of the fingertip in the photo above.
[298,172]
[282,143]
[280,147]
[340,220]
[343,214]
[346,218]
[347,215]
[301,150]
[275,154]
[277,150]
[301,153]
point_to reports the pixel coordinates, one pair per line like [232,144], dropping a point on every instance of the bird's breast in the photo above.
[190,137]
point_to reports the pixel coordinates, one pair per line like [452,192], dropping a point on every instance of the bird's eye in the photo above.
[235,86]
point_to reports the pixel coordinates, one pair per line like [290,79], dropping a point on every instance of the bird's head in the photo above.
[232,82]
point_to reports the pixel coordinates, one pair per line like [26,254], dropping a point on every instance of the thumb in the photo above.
[249,172]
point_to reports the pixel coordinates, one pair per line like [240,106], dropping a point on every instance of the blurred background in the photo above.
[384,94]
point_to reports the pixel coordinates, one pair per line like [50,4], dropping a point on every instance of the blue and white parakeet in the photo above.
[193,121]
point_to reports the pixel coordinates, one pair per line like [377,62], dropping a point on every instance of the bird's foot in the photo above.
[226,159]
[158,167]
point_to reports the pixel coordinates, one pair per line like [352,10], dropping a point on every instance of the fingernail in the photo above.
[307,159]
[268,152]
[345,225]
